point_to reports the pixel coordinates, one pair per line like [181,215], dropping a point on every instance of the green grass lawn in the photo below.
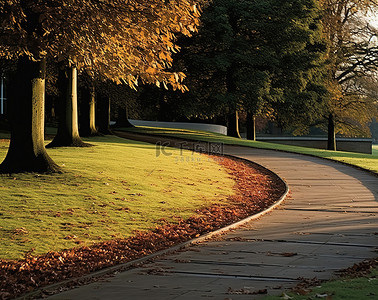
[366,161]
[107,191]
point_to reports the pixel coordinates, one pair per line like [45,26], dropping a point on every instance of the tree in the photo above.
[256,56]
[133,40]
[126,104]
[355,105]
[27,151]
[87,119]
[68,128]
[103,120]
[353,54]
[284,55]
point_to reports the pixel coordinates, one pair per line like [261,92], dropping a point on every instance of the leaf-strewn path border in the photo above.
[255,190]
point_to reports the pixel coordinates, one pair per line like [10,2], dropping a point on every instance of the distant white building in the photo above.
[182,125]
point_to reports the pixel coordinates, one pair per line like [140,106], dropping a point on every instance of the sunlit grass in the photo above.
[107,191]
[367,161]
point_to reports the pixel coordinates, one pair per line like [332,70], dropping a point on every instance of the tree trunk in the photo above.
[27,151]
[88,112]
[331,145]
[4,115]
[164,110]
[122,119]
[104,115]
[233,117]
[68,129]
[251,126]
[233,125]
[49,108]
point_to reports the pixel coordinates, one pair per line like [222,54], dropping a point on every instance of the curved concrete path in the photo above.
[329,222]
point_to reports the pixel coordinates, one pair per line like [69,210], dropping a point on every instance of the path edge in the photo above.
[90,278]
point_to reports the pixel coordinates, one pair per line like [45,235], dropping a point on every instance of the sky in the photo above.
[373,19]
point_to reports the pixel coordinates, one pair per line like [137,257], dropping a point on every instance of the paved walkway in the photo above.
[329,222]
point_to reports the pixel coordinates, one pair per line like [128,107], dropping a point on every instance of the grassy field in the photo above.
[107,191]
[367,161]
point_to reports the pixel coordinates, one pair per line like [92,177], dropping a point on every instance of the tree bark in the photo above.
[104,115]
[251,126]
[68,129]
[233,124]
[50,109]
[27,151]
[233,117]
[331,144]
[88,112]
[123,118]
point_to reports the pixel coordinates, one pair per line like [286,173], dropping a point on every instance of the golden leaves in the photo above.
[151,71]
[108,38]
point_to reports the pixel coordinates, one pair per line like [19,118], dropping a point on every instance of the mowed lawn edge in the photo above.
[106,192]
[361,160]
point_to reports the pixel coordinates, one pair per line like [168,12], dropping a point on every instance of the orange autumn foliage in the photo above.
[121,40]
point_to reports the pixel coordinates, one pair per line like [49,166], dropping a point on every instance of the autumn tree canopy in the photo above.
[119,40]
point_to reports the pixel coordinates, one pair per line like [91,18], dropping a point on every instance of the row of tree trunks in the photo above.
[27,152]
[233,128]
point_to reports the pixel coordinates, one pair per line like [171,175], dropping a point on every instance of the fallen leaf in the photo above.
[322,295]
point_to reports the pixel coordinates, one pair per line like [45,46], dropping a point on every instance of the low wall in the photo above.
[181,125]
[358,145]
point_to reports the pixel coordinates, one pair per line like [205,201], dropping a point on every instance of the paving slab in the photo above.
[329,222]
